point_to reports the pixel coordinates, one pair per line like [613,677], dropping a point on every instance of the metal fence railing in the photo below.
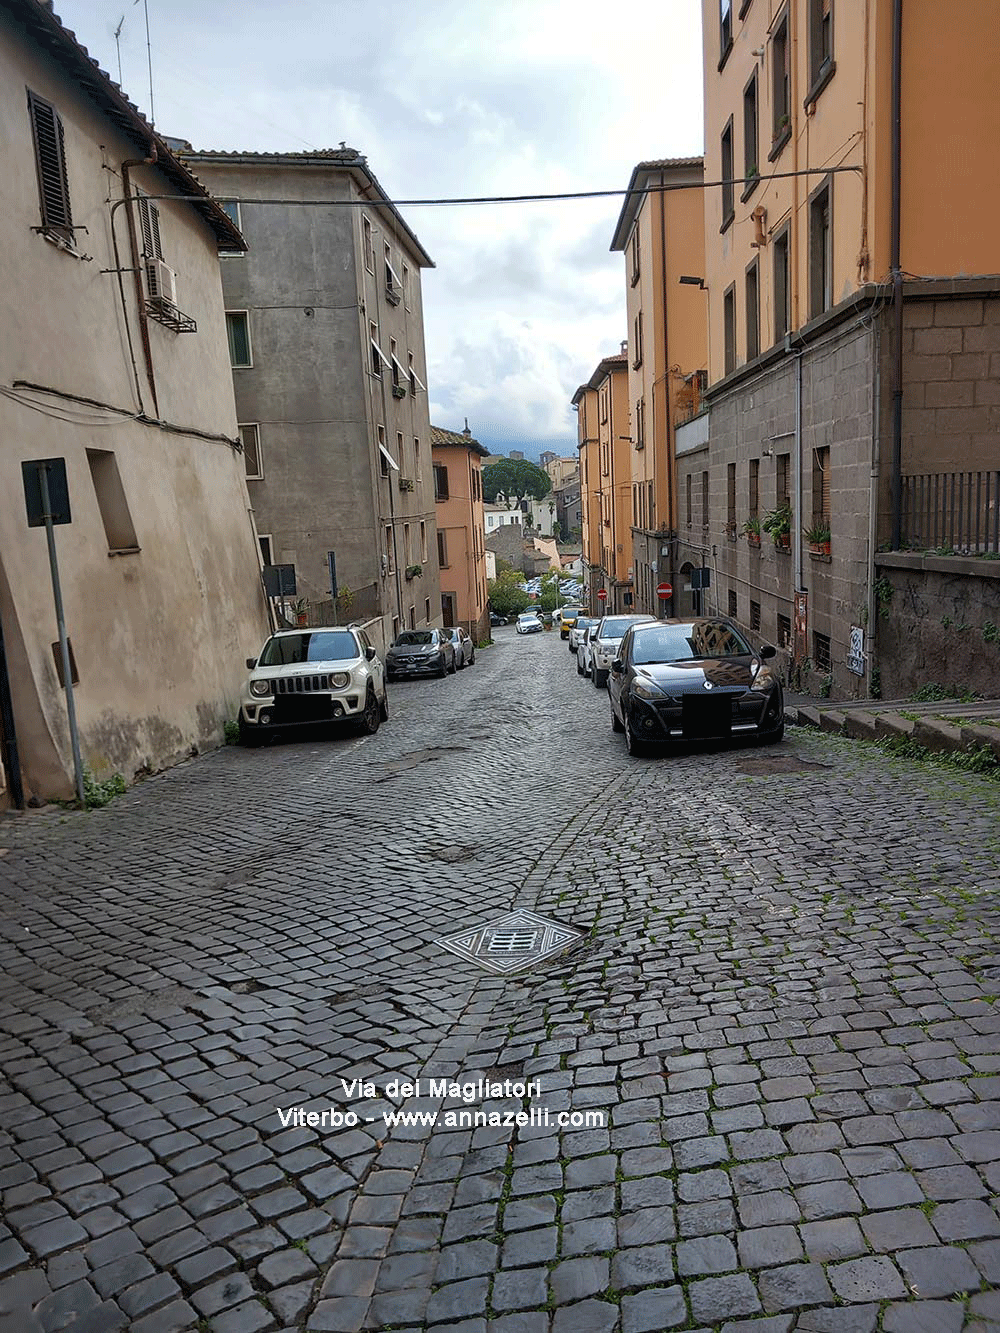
[952,511]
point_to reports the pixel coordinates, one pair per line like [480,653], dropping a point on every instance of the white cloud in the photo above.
[446,100]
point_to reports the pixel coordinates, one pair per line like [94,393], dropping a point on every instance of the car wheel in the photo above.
[444,670]
[371,718]
[775,736]
[249,734]
[635,747]
[571,648]
[472,659]
[600,679]
[384,706]
[616,724]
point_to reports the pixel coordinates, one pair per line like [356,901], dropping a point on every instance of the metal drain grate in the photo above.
[514,941]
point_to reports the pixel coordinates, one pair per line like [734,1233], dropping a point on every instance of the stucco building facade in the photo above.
[326,327]
[852,307]
[113,358]
[461,530]
[606,483]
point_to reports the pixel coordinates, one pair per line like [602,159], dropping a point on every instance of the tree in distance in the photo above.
[507,593]
[515,479]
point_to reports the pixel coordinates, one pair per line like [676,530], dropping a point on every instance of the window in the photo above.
[264,541]
[820,256]
[755,615]
[821,486]
[731,499]
[427,609]
[637,342]
[378,357]
[704,499]
[394,363]
[111,500]
[238,331]
[440,481]
[782,288]
[602,402]
[231,208]
[366,233]
[442,549]
[418,461]
[407,548]
[728,207]
[689,508]
[729,329]
[423,542]
[415,381]
[640,424]
[389,562]
[781,88]
[753,312]
[393,286]
[821,64]
[399,446]
[782,472]
[753,490]
[784,631]
[634,255]
[250,435]
[149,228]
[406,288]
[821,652]
[413,617]
[751,158]
[384,457]
[732,604]
[50,161]
[725,29]
[395,626]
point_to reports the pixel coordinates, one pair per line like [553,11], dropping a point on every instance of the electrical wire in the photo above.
[16,393]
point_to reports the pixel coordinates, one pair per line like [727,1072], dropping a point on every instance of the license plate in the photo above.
[706,717]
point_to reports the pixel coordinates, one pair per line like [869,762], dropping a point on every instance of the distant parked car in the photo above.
[529,623]
[567,619]
[465,649]
[585,649]
[690,680]
[497,619]
[420,652]
[604,644]
[305,677]
[576,631]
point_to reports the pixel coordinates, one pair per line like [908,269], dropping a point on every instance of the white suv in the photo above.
[308,676]
[604,644]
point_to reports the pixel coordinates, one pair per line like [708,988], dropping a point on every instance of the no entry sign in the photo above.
[664,590]
[602,595]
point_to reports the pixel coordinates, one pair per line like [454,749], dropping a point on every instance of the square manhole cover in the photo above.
[512,942]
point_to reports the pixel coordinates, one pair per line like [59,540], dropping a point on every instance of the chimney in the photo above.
[467,431]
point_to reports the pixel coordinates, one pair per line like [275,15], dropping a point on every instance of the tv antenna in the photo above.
[149,54]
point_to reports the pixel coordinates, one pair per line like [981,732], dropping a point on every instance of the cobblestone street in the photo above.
[783,1009]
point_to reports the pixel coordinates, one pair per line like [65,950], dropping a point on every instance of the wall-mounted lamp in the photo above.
[689,281]
[758,51]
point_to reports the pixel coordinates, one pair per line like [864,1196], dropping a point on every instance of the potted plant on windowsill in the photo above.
[731,530]
[818,537]
[779,524]
[752,529]
[413,570]
[300,610]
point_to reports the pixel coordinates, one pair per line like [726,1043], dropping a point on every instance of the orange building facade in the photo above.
[606,483]
[461,534]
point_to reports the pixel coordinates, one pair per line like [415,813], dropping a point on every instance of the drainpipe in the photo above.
[796,532]
[669,459]
[897,279]
[137,267]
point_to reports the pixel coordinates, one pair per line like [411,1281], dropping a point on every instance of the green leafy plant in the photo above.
[818,534]
[231,731]
[875,683]
[991,632]
[779,524]
[412,571]
[97,794]
[826,688]
[883,591]
[751,527]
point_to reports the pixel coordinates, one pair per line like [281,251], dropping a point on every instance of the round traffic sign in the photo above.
[664,590]
[602,595]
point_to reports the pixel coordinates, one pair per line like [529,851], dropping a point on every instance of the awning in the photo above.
[417,380]
[387,456]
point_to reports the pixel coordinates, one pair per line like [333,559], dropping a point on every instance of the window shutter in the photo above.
[826,485]
[50,157]
[149,224]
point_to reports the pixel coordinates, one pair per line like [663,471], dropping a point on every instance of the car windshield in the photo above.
[685,643]
[414,637]
[328,645]
[615,629]
[452,634]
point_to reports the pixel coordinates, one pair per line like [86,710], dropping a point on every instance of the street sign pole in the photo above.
[50,537]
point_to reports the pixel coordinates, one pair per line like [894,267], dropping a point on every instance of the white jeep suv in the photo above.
[308,676]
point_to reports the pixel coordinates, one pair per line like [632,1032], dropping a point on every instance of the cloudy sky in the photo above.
[447,99]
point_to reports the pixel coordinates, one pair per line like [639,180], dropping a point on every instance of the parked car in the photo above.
[529,623]
[585,649]
[421,652]
[465,649]
[576,631]
[567,619]
[604,644]
[497,619]
[690,680]
[305,677]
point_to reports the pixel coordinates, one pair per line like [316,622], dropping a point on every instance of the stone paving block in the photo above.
[941,1271]
[572,1280]
[719,1298]
[924,1317]
[586,1317]
[868,1279]
[654,1310]
[793,1287]
[456,1300]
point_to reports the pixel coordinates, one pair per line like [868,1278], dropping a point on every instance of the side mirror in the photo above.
[370,653]
[251,663]
[618,666]
[767,651]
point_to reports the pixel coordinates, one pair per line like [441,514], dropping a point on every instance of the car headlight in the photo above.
[339,679]
[645,689]
[261,688]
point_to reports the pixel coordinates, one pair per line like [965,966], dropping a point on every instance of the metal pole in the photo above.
[50,537]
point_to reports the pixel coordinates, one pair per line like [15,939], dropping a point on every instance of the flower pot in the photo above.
[753,540]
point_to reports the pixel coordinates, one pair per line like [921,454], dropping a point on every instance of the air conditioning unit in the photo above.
[161,281]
